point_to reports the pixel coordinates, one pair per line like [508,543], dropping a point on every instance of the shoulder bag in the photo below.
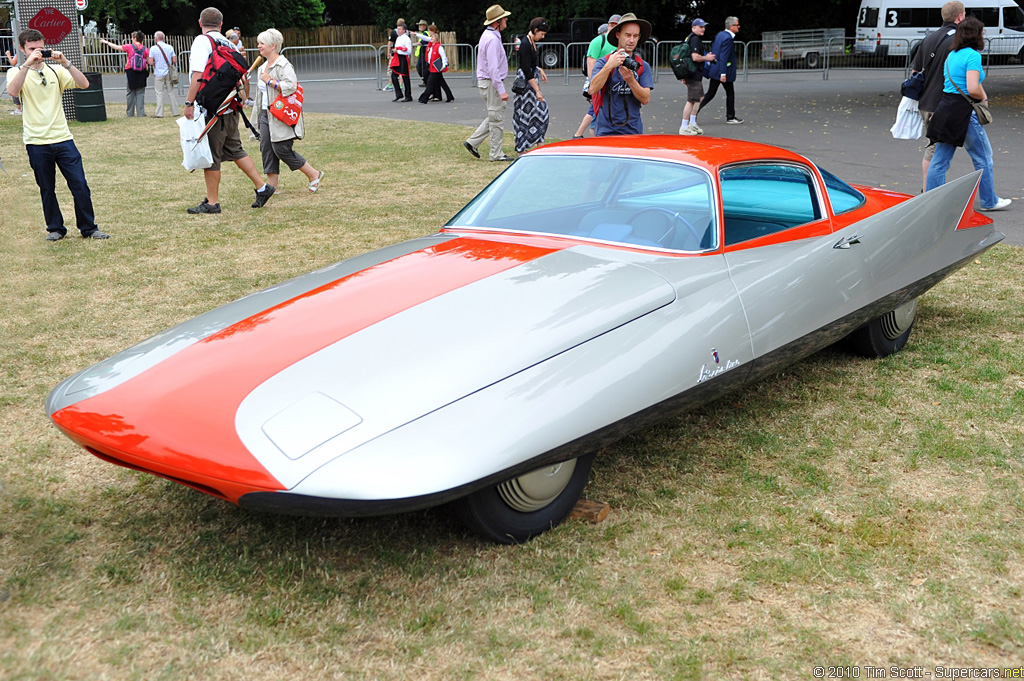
[288,109]
[980,108]
[170,67]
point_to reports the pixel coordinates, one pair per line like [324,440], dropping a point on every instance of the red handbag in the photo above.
[288,109]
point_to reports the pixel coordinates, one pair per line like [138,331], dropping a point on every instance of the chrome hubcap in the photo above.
[895,323]
[536,489]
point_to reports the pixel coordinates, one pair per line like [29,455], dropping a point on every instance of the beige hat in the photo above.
[645,29]
[494,13]
[422,22]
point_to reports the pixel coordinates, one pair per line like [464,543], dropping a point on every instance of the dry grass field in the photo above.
[846,513]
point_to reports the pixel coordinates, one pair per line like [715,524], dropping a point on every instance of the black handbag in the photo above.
[519,85]
[912,86]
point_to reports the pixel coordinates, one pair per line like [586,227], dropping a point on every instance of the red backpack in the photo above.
[220,78]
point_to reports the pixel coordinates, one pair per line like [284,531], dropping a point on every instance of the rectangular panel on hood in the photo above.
[443,349]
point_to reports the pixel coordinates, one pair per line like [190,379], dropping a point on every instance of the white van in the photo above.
[892,27]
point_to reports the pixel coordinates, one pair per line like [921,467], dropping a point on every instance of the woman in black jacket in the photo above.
[530,111]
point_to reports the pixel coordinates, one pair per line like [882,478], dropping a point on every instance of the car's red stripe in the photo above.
[179,415]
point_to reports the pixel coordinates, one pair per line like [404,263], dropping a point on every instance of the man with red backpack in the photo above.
[208,64]
[136,70]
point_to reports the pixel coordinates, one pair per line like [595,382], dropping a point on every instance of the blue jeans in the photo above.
[980,151]
[45,159]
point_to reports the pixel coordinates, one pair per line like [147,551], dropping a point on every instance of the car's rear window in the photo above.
[842,196]
[655,204]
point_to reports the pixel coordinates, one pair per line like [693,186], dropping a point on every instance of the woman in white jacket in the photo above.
[277,77]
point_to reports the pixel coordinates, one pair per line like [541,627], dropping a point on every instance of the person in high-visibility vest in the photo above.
[423,40]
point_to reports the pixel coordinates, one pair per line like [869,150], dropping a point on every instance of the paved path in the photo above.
[842,123]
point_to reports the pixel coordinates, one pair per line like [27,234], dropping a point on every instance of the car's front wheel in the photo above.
[887,334]
[527,505]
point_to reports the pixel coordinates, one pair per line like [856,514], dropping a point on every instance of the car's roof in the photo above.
[707,152]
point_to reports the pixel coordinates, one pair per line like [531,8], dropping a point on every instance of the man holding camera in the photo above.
[45,130]
[621,83]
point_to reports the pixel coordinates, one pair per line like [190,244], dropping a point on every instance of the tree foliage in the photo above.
[182,16]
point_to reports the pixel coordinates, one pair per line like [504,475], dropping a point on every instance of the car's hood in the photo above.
[271,397]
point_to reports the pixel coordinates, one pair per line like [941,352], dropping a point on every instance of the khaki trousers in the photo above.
[164,89]
[493,125]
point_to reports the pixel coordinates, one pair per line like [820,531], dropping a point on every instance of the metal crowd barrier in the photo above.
[1003,51]
[334,63]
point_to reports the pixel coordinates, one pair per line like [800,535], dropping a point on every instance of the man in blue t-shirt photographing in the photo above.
[621,83]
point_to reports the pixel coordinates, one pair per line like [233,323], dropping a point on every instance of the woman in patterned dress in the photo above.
[530,111]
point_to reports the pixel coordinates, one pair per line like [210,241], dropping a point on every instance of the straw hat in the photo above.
[645,29]
[494,13]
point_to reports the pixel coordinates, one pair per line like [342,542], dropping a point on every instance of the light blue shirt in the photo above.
[957,65]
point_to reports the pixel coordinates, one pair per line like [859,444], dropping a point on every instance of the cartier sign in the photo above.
[52,24]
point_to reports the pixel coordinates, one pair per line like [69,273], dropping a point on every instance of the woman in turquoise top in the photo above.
[954,123]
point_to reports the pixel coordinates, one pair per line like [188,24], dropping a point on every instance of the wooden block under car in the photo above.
[591,511]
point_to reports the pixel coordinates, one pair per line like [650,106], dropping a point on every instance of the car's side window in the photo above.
[765,198]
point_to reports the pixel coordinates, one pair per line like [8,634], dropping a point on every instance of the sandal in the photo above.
[315,184]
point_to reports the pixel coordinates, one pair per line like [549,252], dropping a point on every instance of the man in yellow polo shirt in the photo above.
[48,141]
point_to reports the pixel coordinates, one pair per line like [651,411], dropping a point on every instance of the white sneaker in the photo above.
[1001,204]
[16,112]
[688,130]
[697,129]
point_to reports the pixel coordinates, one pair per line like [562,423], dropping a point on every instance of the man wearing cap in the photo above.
[617,91]
[491,69]
[695,81]
[599,47]
[722,70]
[422,41]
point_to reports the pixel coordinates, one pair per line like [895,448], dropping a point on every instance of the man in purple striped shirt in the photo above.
[491,69]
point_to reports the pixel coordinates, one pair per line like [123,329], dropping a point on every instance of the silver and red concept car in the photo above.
[592,287]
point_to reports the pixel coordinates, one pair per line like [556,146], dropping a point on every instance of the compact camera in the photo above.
[46,53]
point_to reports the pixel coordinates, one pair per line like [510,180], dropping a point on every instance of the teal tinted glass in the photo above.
[765,198]
[842,196]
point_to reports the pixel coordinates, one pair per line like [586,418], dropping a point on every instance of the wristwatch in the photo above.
[189,103]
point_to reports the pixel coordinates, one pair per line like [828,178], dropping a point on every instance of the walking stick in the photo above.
[227,101]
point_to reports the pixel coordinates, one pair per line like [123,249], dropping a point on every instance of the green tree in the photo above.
[182,16]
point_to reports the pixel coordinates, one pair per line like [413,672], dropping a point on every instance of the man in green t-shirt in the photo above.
[599,47]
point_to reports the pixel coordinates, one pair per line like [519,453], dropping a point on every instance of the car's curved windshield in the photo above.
[638,202]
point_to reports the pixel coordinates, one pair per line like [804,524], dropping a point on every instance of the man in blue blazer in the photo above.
[722,71]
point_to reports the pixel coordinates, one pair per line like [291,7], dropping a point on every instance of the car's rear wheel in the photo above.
[887,334]
[522,507]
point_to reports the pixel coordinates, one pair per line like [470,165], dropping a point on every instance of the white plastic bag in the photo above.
[194,156]
[909,125]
